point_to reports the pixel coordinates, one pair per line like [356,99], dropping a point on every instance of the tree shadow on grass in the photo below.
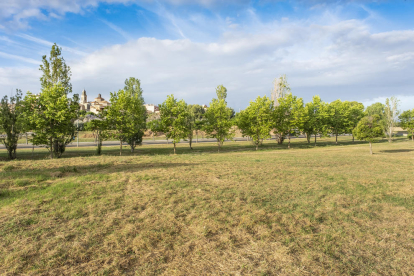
[397,150]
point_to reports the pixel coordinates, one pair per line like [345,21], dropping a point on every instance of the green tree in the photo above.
[174,119]
[256,120]
[313,123]
[336,116]
[218,121]
[355,114]
[194,121]
[391,113]
[11,122]
[221,92]
[55,70]
[99,128]
[51,115]
[133,87]
[369,129]
[289,116]
[126,118]
[407,121]
[376,109]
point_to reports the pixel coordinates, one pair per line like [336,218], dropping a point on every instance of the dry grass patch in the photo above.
[325,210]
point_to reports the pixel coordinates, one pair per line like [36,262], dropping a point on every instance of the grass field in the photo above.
[330,210]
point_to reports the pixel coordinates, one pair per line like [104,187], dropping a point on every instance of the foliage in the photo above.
[126,118]
[218,122]
[11,122]
[195,120]
[313,123]
[337,118]
[133,87]
[289,116]
[256,120]
[51,115]
[98,127]
[221,92]
[369,129]
[174,119]
[355,112]
[55,70]
[280,89]
[391,113]
[407,121]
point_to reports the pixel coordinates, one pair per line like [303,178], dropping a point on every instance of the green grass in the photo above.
[330,210]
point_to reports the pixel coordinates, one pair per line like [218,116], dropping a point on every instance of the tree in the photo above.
[391,113]
[194,121]
[355,114]
[280,89]
[55,70]
[174,119]
[218,121]
[256,120]
[369,129]
[11,122]
[126,118]
[133,87]
[289,116]
[376,109]
[313,123]
[221,92]
[336,115]
[407,121]
[98,127]
[51,115]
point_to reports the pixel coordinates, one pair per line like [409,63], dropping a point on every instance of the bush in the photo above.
[410,136]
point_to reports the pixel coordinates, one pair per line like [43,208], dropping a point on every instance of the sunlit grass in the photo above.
[304,211]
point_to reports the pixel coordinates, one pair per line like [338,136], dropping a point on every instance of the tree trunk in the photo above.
[336,138]
[120,147]
[370,147]
[51,148]
[191,142]
[174,147]
[197,136]
[257,146]
[289,141]
[315,139]
[353,138]
[27,142]
[308,136]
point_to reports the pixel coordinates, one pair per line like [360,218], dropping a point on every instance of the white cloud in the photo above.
[19,58]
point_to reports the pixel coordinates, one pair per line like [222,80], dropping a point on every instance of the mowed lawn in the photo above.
[330,210]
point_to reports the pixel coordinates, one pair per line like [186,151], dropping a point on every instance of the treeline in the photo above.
[50,116]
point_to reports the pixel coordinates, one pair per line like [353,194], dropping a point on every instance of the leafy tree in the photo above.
[126,118]
[55,70]
[12,123]
[280,89]
[369,129]
[376,109]
[407,121]
[391,113]
[256,120]
[336,116]
[174,119]
[221,92]
[218,121]
[133,86]
[99,128]
[51,115]
[289,116]
[313,123]
[355,114]
[194,121]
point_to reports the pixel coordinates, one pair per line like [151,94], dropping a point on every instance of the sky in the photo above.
[349,50]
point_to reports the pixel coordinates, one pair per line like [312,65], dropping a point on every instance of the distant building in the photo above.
[95,106]
[151,108]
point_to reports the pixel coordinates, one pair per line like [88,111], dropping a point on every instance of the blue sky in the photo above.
[352,50]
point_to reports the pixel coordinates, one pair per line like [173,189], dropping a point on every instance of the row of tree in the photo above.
[50,116]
